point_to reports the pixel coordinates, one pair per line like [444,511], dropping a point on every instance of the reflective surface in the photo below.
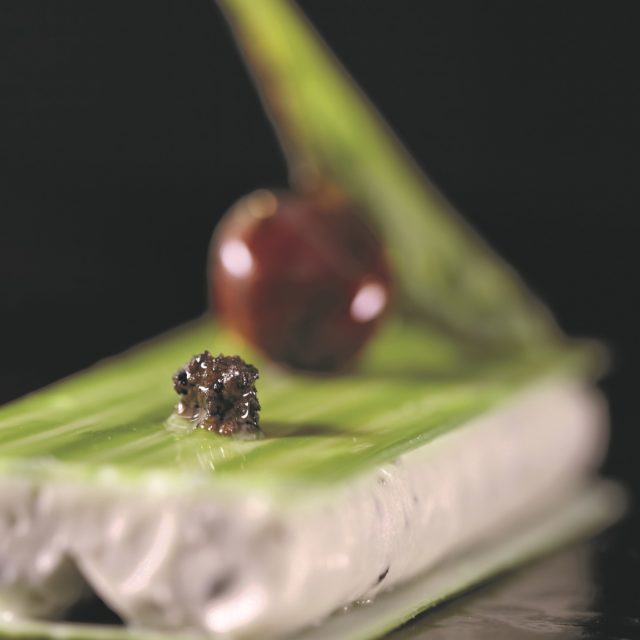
[590,590]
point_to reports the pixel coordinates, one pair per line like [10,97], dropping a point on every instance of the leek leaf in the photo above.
[411,388]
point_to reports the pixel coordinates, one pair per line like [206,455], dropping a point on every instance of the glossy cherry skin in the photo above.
[304,280]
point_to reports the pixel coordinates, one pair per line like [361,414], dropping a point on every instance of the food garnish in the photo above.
[219,394]
[299,276]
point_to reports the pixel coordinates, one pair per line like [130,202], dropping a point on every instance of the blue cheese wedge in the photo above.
[360,483]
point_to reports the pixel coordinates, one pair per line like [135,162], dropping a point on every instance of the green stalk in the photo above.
[446,274]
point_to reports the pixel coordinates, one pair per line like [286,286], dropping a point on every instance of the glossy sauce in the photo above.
[304,280]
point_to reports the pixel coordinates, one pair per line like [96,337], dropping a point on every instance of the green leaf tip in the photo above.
[331,134]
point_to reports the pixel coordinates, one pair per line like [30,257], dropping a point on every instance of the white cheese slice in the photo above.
[240,564]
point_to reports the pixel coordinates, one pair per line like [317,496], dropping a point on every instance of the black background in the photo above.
[127,129]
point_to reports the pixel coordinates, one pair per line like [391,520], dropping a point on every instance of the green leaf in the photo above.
[446,274]
[412,387]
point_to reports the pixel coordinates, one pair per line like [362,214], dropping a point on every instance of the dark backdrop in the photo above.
[127,128]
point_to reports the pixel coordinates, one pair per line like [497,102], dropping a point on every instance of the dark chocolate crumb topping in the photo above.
[219,394]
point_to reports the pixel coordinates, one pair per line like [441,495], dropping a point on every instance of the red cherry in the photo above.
[301,278]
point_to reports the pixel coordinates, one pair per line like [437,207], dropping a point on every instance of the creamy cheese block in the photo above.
[223,562]
[361,483]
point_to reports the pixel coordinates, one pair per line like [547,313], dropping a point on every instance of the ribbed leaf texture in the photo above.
[320,429]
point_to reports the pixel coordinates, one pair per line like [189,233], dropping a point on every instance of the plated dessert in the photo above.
[377,415]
